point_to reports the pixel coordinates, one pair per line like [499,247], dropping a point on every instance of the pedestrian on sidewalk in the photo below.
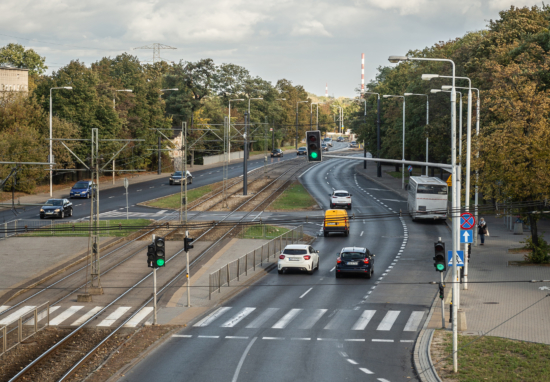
[482,230]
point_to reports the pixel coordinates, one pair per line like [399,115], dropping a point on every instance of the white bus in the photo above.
[427,198]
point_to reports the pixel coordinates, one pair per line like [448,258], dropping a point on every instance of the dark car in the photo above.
[82,189]
[355,260]
[340,139]
[301,151]
[177,178]
[324,146]
[56,208]
[353,144]
[277,153]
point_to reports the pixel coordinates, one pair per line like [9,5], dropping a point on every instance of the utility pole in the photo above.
[95,283]
[154,290]
[159,158]
[245,160]
[378,164]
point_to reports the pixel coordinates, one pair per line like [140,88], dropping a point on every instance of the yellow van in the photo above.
[336,221]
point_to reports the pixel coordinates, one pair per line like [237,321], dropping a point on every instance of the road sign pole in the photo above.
[154,291]
[442,305]
[126,187]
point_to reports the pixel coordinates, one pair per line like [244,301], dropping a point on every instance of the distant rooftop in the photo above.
[11,67]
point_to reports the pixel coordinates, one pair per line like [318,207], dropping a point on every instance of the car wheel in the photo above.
[62,216]
[191,181]
[310,272]
[88,195]
[346,234]
[369,275]
[41,217]
[71,212]
[318,264]
[337,275]
[350,207]
[331,205]
[280,271]
[171,183]
[325,234]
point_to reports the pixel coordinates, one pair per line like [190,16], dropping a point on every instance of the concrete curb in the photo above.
[422,358]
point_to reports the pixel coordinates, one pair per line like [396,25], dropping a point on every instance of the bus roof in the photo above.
[427,180]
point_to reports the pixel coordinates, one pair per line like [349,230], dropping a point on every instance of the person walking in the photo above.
[482,230]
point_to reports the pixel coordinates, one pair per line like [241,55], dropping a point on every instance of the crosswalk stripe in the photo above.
[312,320]
[262,318]
[3,307]
[388,320]
[139,317]
[336,321]
[15,315]
[414,321]
[111,318]
[42,315]
[238,317]
[363,321]
[286,319]
[212,316]
[66,314]
[85,317]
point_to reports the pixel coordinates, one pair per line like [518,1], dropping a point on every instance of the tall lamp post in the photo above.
[297,104]
[403,150]
[50,159]
[119,90]
[159,171]
[427,121]
[245,160]
[365,118]
[229,135]
[456,195]
[378,164]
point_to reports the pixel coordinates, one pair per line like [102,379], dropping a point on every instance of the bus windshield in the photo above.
[431,189]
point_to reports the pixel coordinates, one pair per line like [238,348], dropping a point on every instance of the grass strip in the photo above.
[173,201]
[262,231]
[108,228]
[295,197]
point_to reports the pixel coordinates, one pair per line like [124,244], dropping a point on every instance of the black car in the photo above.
[301,151]
[58,208]
[355,260]
[177,178]
[277,153]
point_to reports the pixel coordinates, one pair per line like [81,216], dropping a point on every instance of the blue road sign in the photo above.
[466,236]
[459,260]
[410,168]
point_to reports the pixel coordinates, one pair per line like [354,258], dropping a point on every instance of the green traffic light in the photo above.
[440,267]
[314,155]
[160,262]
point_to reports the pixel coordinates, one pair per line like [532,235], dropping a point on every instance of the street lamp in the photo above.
[378,164]
[229,127]
[455,192]
[403,151]
[311,114]
[121,90]
[365,118]
[159,170]
[297,104]
[50,159]
[427,122]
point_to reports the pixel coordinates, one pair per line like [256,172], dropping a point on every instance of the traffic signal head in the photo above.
[151,255]
[313,141]
[440,262]
[441,291]
[159,252]
[187,243]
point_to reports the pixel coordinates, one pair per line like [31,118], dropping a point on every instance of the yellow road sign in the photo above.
[450,181]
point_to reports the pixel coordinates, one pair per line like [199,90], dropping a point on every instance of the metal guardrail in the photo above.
[26,325]
[235,269]
[54,227]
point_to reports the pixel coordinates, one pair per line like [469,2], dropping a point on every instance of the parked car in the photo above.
[56,208]
[340,198]
[353,144]
[177,178]
[300,257]
[82,189]
[355,260]
[340,139]
[328,141]
[277,153]
[336,221]
[324,147]
[301,151]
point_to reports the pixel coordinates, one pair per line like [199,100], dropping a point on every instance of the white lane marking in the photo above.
[327,339]
[42,315]
[152,187]
[212,316]
[138,190]
[15,315]
[383,380]
[182,335]
[388,320]
[139,317]
[285,320]
[361,233]
[111,318]
[238,318]
[363,321]
[355,340]
[312,320]
[236,337]
[366,371]
[352,361]
[375,340]
[262,318]
[85,317]
[301,339]
[110,197]
[406,341]
[273,338]
[333,269]
[414,321]
[306,292]
[209,336]
[66,314]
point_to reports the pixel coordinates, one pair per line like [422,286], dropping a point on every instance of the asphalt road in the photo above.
[113,201]
[318,328]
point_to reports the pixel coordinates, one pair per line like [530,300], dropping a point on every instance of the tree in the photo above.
[17,56]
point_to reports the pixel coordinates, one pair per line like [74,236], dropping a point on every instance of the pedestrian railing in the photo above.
[235,269]
[16,328]
[50,227]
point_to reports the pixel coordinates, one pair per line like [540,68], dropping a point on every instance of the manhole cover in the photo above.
[494,303]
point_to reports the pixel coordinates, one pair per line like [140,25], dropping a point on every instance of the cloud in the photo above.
[310,28]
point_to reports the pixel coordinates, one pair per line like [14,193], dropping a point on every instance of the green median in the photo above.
[107,228]
[295,197]
[262,231]
[173,202]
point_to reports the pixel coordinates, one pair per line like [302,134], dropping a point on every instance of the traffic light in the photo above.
[187,243]
[469,250]
[151,255]
[160,258]
[440,262]
[313,141]
[441,291]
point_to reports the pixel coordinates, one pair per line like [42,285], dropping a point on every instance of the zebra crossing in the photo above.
[76,315]
[304,319]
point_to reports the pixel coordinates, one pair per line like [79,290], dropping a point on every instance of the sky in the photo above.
[310,43]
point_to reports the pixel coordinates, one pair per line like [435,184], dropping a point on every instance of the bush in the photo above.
[540,253]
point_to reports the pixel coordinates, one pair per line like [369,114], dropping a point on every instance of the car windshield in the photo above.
[327,139]
[81,185]
[341,194]
[177,173]
[295,252]
[431,189]
[302,149]
[55,202]
[352,255]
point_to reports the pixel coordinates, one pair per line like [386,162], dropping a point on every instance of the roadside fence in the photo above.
[51,227]
[16,328]
[235,269]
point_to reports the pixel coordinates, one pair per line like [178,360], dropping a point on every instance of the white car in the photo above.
[340,198]
[300,257]
[328,141]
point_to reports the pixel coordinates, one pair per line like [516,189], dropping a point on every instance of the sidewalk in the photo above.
[500,294]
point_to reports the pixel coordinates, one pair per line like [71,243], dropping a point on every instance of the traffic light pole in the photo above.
[187,275]
[154,292]
[442,305]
